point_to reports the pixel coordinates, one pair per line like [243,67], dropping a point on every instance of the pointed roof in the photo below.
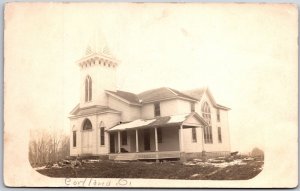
[97,50]
[97,44]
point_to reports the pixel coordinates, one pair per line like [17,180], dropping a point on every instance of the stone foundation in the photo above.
[203,155]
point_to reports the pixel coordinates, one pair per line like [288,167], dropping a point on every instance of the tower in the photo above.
[98,72]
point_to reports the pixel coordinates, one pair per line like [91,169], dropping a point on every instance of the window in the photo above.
[74,138]
[87,125]
[159,135]
[219,135]
[194,134]
[208,138]
[208,134]
[192,107]
[102,137]
[218,115]
[156,109]
[124,137]
[206,112]
[88,89]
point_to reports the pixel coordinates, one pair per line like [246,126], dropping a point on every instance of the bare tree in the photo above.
[47,145]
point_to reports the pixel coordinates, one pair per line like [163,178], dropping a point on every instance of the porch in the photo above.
[145,141]
[159,138]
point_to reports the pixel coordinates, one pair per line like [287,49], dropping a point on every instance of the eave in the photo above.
[122,99]
[169,98]
[95,113]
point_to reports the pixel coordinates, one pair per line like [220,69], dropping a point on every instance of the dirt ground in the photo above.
[164,170]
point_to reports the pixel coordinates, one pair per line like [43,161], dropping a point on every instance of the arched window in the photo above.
[88,89]
[207,117]
[206,112]
[87,125]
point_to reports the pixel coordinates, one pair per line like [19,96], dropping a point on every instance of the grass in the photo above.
[167,170]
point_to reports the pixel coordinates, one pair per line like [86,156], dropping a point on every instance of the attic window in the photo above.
[218,115]
[156,109]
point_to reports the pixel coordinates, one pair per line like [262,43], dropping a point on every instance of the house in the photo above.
[156,124]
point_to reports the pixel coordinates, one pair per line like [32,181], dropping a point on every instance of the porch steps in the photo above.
[127,157]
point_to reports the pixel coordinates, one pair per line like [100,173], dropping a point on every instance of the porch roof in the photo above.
[155,122]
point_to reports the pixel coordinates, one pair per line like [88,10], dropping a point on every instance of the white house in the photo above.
[155,124]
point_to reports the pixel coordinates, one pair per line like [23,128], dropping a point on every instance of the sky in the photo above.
[246,55]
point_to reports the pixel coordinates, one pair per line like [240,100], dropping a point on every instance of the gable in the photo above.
[202,94]
[194,119]
[207,98]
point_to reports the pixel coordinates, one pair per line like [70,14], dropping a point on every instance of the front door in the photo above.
[146,139]
[87,145]
[112,143]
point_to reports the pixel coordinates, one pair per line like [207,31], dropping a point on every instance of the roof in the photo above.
[195,93]
[92,110]
[182,94]
[198,94]
[130,97]
[155,122]
[222,107]
[161,94]
[97,44]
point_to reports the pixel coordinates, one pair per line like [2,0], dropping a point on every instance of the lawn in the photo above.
[165,170]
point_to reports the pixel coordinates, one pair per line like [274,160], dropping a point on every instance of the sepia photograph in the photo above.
[175,95]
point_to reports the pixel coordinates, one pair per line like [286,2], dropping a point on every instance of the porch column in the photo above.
[156,143]
[119,142]
[181,138]
[137,140]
